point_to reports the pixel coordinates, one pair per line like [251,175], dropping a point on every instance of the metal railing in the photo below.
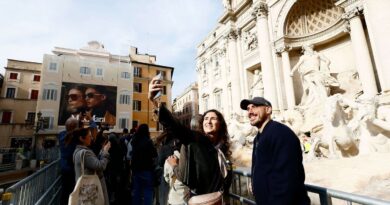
[8,155]
[42,187]
[8,158]
[239,193]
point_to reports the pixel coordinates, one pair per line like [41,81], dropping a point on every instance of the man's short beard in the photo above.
[260,122]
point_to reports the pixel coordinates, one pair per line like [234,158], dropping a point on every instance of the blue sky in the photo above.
[169,29]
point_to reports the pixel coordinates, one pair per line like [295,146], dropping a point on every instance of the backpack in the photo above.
[129,148]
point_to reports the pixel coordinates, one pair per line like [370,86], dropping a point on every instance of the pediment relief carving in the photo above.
[250,40]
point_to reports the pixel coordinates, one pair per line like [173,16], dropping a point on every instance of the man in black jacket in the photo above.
[277,172]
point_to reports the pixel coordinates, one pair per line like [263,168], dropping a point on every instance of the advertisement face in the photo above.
[91,102]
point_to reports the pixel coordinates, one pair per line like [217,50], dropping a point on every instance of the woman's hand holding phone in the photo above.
[155,88]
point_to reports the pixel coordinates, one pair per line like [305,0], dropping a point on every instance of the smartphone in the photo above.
[160,78]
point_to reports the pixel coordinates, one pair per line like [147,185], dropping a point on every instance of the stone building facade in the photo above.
[30,88]
[144,69]
[124,78]
[185,106]
[266,38]
[18,100]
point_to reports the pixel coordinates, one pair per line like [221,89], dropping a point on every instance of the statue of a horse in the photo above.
[336,136]
[372,126]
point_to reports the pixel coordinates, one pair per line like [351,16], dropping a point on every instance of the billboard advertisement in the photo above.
[95,102]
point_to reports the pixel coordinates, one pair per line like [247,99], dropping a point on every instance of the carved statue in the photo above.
[293,119]
[336,135]
[315,82]
[238,131]
[371,126]
[227,4]
[257,87]
[250,41]
[242,135]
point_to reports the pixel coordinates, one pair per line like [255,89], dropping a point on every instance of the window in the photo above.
[53,66]
[6,117]
[137,72]
[99,72]
[36,78]
[138,87]
[206,103]
[137,105]
[34,94]
[30,118]
[85,70]
[135,124]
[204,75]
[218,103]
[123,123]
[10,93]
[217,73]
[124,99]
[48,122]
[125,75]
[49,94]
[13,76]
[163,73]
[164,91]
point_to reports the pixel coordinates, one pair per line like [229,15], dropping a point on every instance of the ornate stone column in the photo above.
[288,83]
[378,31]
[260,12]
[234,70]
[362,55]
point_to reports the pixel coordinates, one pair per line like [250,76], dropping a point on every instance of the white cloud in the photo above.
[169,29]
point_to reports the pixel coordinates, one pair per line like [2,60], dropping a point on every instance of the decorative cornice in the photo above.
[283,48]
[346,3]
[232,34]
[260,10]
[347,28]
[354,12]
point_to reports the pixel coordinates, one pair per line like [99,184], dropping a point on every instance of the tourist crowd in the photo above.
[183,165]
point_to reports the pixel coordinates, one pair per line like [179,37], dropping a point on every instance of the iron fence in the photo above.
[42,187]
[239,193]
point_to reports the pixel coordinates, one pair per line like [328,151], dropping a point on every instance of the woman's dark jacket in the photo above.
[201,171]
[144,153]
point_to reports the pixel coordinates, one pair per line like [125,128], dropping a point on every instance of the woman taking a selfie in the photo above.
[200,168]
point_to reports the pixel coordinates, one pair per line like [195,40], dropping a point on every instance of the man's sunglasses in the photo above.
[91,95]
[73,97]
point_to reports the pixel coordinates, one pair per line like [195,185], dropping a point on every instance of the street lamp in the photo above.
[38,126]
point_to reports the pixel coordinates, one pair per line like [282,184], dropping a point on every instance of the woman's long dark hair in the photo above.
[77,133]
[142,132]
[222,133]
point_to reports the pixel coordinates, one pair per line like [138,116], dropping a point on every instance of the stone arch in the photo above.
[320,20]
[307,17]
[282,16]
